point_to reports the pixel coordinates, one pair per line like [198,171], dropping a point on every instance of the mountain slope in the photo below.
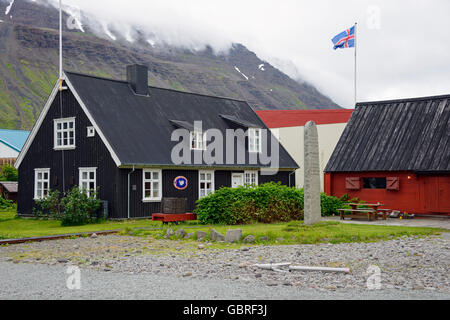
[29,65]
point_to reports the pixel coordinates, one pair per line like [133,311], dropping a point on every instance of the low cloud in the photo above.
[402,45]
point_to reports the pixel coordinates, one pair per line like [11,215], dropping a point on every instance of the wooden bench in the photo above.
[173,210]
[358,213]
[173,217]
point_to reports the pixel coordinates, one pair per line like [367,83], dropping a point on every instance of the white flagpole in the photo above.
[60,46]
[355,64]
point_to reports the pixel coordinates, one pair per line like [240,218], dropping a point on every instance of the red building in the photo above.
[397,153]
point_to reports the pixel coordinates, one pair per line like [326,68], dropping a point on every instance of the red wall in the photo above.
[416,194]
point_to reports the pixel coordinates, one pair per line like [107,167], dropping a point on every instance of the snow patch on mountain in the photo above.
[261,67]
[107,32]
[8,8]
[237,69]
[74,22]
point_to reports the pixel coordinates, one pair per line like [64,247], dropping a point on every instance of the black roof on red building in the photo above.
[396,135]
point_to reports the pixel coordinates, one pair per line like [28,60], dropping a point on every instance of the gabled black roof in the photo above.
[139,128]
[396,135]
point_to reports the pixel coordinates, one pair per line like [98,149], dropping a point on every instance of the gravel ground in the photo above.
[37,281]
[408,265]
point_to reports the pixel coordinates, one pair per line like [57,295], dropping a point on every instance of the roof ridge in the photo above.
[443,96]
[153,87]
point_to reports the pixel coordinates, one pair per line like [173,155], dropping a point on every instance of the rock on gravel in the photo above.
[201,235]
[233,235]
[180,233]
[249,239]
[216,236]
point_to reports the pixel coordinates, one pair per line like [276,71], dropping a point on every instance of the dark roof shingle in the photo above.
[396,135]
[139,129]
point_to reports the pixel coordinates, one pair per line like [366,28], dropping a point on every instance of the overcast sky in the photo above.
[403,45]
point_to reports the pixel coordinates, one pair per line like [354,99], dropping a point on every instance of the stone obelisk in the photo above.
[312,210]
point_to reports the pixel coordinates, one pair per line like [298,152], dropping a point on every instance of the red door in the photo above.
[437,194]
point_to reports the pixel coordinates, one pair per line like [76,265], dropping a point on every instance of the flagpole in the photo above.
[356,24]
[60,46]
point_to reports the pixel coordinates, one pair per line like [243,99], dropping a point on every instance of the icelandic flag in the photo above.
[345,39]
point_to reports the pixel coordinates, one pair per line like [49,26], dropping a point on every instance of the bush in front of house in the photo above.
[331,204]
[266,203]
[74,209]
[79,208]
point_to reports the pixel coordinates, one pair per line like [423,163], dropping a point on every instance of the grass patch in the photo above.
[12,227]
[297,233]
[294,232]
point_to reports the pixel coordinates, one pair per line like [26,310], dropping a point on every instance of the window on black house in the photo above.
[374,183]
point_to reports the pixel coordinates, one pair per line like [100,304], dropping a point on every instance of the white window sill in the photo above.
[152,200]
[63,148]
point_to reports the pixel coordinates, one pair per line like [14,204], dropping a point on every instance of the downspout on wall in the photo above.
[128,209]
[290,177]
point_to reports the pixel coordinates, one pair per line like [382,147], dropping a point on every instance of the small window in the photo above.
[374,183]
[90,131]
[251,178]
[254,140]
[152,183]
[88,180]
[198,140]
[206,183]
[41,183]
[64,130]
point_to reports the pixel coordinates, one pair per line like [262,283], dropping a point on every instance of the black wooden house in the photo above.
[115,136]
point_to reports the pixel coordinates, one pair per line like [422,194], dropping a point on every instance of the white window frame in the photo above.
[200,181]
[36,180]
[90,132]
[88,180]
[56,130]
[200,144]
[254,143]
[151,181]
[251,172]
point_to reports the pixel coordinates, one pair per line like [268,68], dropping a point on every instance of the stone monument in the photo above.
[312,210]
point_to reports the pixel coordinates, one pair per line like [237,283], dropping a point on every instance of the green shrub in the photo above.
[8,173]
[76,208]
[330,204]
[265,203]
[6,204]
[49,206]
[79,208]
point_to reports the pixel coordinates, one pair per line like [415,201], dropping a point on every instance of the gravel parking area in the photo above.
[39,281]
[405,264]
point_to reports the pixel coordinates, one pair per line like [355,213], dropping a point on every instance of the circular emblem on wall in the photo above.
[180,183]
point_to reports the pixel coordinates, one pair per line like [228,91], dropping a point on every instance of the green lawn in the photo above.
[292,232]
[12,227]
[296,232]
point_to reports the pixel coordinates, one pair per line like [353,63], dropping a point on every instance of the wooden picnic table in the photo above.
[373,206]
[370,214]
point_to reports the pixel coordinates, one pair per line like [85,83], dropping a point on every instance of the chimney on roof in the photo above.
[137,77]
